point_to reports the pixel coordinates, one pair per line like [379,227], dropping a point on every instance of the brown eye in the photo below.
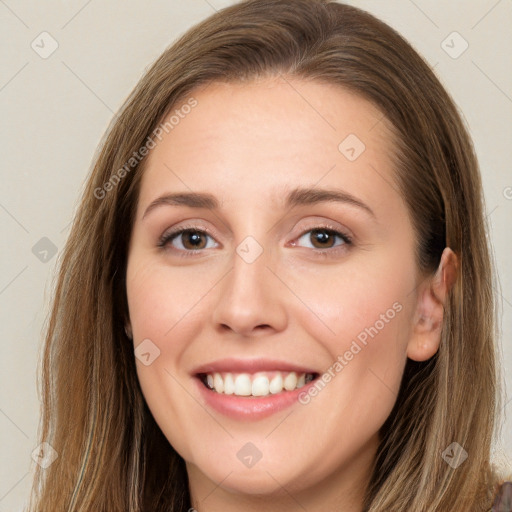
[186,240]
[324,238]
[192,239]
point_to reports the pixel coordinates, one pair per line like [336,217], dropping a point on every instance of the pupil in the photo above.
[193,238]
[322,236]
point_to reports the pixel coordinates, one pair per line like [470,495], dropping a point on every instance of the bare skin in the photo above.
[298,301]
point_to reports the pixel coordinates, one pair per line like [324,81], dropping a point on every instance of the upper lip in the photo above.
[250,366]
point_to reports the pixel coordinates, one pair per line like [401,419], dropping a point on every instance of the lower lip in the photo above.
[250,408]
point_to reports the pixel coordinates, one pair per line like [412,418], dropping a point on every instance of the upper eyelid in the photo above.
[316,223]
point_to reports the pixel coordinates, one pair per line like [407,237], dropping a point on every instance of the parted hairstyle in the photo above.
[112,456]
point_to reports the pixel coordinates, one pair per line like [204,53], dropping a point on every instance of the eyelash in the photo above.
[169,237]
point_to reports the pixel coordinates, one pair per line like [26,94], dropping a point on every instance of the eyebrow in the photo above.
[296,197]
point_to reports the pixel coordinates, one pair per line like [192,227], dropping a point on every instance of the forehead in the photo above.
[267,136]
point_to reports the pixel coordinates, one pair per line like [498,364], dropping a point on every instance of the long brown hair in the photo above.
[111,454]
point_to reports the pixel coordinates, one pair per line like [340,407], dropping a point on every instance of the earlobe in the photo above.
[428,319]
[128,330]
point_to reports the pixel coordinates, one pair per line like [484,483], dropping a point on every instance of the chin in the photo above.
[255,481]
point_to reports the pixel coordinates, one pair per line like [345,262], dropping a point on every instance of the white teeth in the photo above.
[258,384]
[290,381]
[218,383]
[229,384]
[276,384]
[243,385]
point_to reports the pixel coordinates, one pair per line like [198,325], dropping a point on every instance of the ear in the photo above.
[428,319]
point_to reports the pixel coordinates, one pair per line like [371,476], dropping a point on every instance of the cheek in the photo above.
[362,318]
[365,299]
[159,297]
[161,308]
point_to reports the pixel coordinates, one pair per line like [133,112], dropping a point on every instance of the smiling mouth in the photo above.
[259,384]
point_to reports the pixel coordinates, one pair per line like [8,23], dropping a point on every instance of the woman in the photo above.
[209,347]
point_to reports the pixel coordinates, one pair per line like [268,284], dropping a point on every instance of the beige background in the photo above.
[55,109]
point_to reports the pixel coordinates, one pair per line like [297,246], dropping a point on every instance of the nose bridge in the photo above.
[248,280]
[251,255]
[249,297]
[249,271]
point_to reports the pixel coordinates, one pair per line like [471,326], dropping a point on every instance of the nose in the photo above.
[251,299]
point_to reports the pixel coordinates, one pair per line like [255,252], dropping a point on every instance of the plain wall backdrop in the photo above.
[66,68]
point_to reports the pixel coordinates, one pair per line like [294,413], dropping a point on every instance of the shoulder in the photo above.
[503,499]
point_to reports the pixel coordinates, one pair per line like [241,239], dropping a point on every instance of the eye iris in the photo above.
[323,236]
[194,238]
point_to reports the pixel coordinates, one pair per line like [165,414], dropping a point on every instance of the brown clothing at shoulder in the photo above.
[503,501]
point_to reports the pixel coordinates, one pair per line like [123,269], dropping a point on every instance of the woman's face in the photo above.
[298,264]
